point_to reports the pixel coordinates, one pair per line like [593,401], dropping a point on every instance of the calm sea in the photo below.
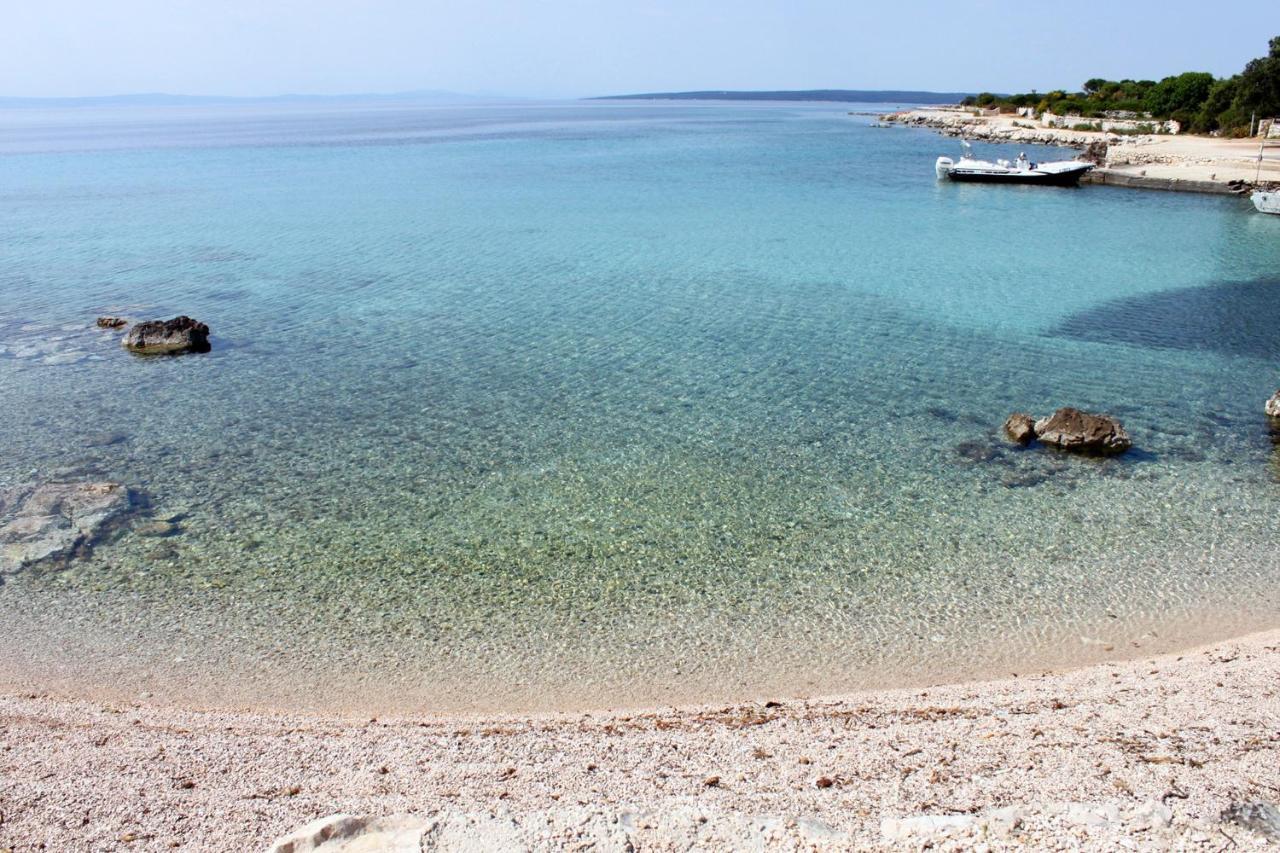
[597,404]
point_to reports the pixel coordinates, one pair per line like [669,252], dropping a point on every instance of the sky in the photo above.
[572,48]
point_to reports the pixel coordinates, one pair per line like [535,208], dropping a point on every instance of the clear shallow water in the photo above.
[596,404]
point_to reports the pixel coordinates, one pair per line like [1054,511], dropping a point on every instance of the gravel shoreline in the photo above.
[1145,754]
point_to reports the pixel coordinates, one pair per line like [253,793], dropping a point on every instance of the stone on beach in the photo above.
[1020,427]
[1261,817]
[1272,407]
[341,832]
[1083,432]
[54,520]
[181,334]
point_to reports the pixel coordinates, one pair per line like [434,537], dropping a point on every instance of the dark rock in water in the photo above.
[1021,428]
[1024,479]
[181,334]
[158,529]
[1083,432]
[977,451]
[1185,454]
[1272,407]
[104,439]
[55,520]
[112,322]
[1095,152]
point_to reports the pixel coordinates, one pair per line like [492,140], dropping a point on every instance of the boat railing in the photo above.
[1262,148]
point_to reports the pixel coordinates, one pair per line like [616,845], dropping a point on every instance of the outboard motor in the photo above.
[943,167]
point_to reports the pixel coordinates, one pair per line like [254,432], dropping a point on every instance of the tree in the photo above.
[1186,92]
[1216,105]
[1260,84]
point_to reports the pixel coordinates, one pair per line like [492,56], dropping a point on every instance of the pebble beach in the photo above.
[1149,754]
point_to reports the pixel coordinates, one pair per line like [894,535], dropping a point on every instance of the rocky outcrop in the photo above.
[1083,432]
[1021,428]
[1272,407]
[1095,152]
[112,322]
[181,334]
[55,520]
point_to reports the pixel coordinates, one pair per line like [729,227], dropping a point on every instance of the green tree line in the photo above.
[1197,100]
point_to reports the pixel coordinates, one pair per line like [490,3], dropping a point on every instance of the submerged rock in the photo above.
[181,334]
[977,451]
[104,439]
[158,529]
[1272,406]
[54,520]
[112,322]
[1083,432]
[1020,427]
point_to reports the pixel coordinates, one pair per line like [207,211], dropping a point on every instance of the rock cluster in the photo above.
[54,520]
[1272,407]
[181,334]
[1073,430]
[112,322]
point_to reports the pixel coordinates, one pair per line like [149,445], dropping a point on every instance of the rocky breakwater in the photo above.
[991,129]
[179,335]
[56,521]
[1071,430]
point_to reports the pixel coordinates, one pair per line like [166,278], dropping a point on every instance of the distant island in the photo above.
[859,96]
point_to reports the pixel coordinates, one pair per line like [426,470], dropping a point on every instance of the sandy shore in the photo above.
[1182,159]
[1141,755]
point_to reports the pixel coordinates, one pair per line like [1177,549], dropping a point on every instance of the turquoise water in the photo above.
[555,405]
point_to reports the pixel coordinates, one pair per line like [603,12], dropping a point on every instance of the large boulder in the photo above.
[1272,406]
[181,334]
[1020,427]
[54,520]
[1083,432]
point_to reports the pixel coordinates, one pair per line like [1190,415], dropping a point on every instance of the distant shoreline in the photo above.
[849,96]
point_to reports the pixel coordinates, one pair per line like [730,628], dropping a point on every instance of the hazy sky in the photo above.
[580,47]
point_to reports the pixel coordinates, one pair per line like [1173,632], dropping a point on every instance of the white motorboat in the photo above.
[1062,173]
[1266,201]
